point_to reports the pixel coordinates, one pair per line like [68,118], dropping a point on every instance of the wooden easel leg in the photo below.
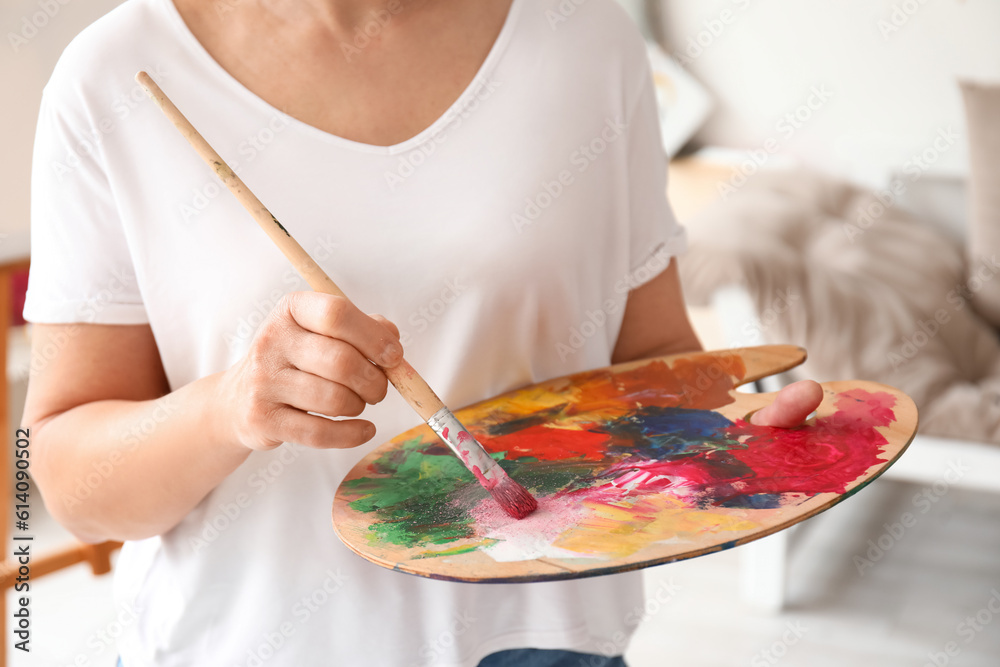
[99,556]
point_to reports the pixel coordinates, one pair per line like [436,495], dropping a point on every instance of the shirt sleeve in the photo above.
[655,236]
[81,269]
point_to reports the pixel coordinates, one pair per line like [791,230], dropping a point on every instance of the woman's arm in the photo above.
[114,454]
[118,457]
[656,323]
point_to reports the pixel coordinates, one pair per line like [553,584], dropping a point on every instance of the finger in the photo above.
[311,393]
[791,406]
[386,323]
[291,425]
[337,317]
[337,361]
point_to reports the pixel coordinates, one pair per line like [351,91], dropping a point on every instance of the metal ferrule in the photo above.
[460,441]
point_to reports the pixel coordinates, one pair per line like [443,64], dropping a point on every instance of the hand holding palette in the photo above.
[633,465]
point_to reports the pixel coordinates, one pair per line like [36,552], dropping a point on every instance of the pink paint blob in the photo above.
[486,482]
[532,536]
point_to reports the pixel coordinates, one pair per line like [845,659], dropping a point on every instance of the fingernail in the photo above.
[391,354]
[369,432]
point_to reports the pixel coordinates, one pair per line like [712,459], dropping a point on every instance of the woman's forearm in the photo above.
[655,321]
[126,470]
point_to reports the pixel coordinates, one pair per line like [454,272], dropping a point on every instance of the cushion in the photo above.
[869,291]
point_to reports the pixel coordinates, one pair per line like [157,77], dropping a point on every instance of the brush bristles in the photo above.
[514,498]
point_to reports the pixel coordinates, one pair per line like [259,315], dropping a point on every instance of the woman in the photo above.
[500,158]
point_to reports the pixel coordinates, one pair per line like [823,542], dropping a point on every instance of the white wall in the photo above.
[34,34]
[893,90]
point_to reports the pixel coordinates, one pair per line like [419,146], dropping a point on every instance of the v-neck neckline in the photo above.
[470,92]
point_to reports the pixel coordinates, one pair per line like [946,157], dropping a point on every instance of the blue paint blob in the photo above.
[661,432]
[756,501]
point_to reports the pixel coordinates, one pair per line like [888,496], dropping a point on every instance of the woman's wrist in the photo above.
[218,416]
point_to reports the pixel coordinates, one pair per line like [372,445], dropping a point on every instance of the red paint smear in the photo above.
[552,444]
[701,382]
[842,447]
[692,471]
[823,458]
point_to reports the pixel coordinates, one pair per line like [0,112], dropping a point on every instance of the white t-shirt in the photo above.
[502,240]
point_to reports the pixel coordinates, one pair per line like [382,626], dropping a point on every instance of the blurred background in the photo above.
[838,168]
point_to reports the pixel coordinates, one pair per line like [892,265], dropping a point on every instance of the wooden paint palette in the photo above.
[633,465]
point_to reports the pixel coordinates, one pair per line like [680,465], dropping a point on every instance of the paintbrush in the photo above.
[512,497]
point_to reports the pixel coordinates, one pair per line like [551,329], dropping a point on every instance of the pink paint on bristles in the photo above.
[515,500]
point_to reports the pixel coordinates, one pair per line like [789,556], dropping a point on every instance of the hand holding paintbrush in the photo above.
[511,496]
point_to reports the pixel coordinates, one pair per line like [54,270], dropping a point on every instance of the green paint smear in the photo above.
[455,551]
[414,500]
[549,478]
[423,499]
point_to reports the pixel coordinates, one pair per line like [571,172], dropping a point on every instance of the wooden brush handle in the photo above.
[404,378]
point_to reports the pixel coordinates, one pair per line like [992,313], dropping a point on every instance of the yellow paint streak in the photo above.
[602,415]
[460,549]
[618,531]
[523,403]
[427,470]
